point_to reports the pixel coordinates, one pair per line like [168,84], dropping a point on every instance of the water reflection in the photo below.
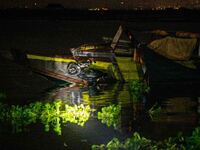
[116,114]
[172,114]
[178,109]
[110,115]
[50,114]
[99,95]
[175,112]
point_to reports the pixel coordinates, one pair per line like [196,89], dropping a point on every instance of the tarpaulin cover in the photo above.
[174,48]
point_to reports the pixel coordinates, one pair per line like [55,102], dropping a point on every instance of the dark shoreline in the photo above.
[123,15]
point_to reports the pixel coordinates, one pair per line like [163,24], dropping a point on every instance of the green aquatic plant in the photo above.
[53,114]
[172,143]
[155,111]
[193,141]
[50,114]
[16,118]
[47,115]
[3,111]
[114,144]
[138,88]
[110,115]
[76,114]
[137,142]
[31,112]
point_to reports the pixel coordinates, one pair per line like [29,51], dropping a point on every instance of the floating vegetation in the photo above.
[136,142]
[138,88]
[50,114]
[3,112]
[155,111]
[193,142]
[110,115]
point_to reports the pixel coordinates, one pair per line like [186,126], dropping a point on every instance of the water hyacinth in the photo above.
[3,111]
[155,111]
[76,114]
[15,115]
[50,114]
[31,112]
[138,88]
[137,142]
[193,141]
[110,115]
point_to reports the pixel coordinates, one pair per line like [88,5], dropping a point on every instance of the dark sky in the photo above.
[123,4]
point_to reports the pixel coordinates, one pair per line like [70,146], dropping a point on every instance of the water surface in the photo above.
[179,113]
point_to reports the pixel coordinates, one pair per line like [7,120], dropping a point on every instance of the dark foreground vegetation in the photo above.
[137,142]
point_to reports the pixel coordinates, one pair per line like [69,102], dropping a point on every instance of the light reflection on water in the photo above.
[101,95]
[179,109]
[177,114]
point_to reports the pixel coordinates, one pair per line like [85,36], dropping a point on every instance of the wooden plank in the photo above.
[116,38]
[61,76]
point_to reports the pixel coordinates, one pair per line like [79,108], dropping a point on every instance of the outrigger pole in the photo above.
[113,46]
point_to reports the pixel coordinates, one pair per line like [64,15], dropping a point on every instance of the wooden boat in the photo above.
[87,64]
[170,68]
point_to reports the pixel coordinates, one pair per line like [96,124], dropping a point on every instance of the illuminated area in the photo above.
[110,115]
[50,114]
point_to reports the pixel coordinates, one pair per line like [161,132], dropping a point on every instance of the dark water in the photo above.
[178,114]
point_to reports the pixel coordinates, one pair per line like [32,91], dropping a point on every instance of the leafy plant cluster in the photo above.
[110,115]
[193,142]
[136,142]
[138,88]
[155,111]
[51,114]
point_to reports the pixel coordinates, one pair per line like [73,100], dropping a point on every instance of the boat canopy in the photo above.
[174,48]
